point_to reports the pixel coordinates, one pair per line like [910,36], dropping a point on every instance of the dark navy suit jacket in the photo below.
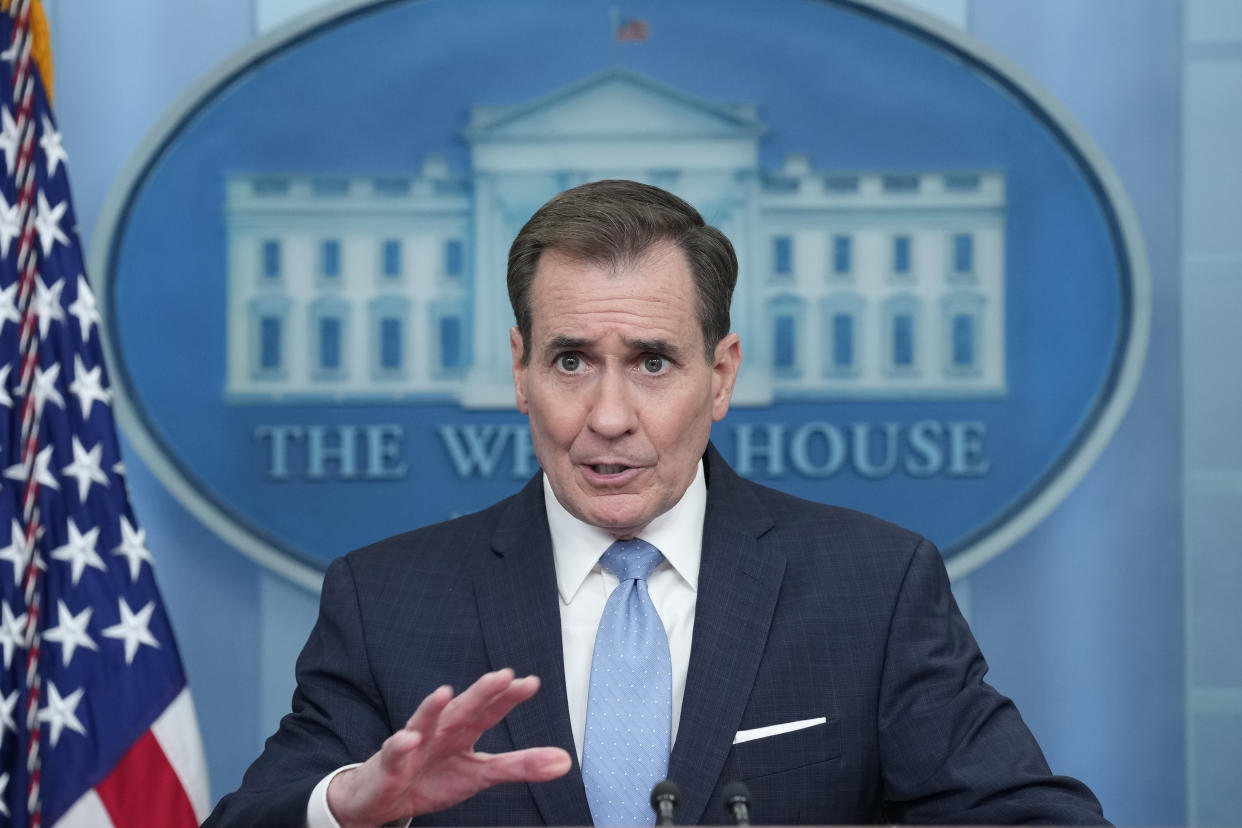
[804,610]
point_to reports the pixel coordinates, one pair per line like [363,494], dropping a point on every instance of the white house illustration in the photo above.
[878,284]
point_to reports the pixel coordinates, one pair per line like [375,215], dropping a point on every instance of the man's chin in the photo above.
[617,519]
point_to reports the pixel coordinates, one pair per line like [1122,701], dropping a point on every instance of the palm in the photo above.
[446,782]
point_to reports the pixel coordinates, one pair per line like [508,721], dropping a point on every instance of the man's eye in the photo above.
[654,364]
[569,362]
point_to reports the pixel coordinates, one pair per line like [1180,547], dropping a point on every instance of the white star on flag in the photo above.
[4,785]
[80,552]
[60,713]
[47,223]
[85,467]
[9,137]
[45,387]
[42,475]
[132,629]
[12,632]
[7,704]
[85,308]
[133,548]
[52,149]
[47,305]
[16,553]
[88,386]
[8,309]
[10,227]
[70,633]
[5,399]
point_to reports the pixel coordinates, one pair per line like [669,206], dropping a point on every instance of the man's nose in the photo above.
[613,412]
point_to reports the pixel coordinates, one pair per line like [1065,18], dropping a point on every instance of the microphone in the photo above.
[736,801]
[665,797]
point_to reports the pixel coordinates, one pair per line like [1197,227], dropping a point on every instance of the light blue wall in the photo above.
[1082,620]
[1212,299]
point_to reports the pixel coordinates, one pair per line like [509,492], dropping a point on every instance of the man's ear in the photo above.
[728,359]
[517,348]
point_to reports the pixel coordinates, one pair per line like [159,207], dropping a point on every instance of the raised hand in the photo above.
[431,764]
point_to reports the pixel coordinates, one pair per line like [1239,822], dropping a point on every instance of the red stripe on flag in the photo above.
[143,789]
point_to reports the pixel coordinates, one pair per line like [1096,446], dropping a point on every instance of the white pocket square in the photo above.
[776,729]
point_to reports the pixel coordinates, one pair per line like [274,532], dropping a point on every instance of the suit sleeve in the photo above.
[337,717]
[952,749]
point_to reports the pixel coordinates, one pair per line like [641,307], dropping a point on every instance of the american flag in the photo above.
[96,722]
[631,30]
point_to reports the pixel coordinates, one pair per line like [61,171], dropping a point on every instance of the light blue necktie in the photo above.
[630,705]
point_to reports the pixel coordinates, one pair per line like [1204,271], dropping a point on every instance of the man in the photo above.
[814,653]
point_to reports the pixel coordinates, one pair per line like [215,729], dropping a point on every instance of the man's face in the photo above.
[620,394]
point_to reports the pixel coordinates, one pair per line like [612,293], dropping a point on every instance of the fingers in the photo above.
[426,718]
[481,706]
[449,724]
[488,686]
[399,758]
[487,711]
[530,765]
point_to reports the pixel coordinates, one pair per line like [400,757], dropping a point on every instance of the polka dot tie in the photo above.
[629,708]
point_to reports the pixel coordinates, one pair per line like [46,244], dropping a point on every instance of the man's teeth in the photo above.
[608,468]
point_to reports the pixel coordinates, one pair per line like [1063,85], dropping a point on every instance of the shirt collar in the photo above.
[678,534]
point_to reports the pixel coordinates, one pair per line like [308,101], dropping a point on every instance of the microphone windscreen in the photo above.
[666,791]
[735,792]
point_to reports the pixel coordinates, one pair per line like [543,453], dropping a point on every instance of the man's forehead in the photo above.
[647,303]
[663,269]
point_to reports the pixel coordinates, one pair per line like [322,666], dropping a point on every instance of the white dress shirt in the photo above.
[584,587]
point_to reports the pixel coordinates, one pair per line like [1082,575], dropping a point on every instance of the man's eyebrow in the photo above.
[562,342]
[655,346]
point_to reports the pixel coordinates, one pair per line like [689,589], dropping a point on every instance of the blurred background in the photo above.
[1115,623]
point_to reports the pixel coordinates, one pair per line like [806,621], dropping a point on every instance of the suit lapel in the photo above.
[519,614]
[738,588]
